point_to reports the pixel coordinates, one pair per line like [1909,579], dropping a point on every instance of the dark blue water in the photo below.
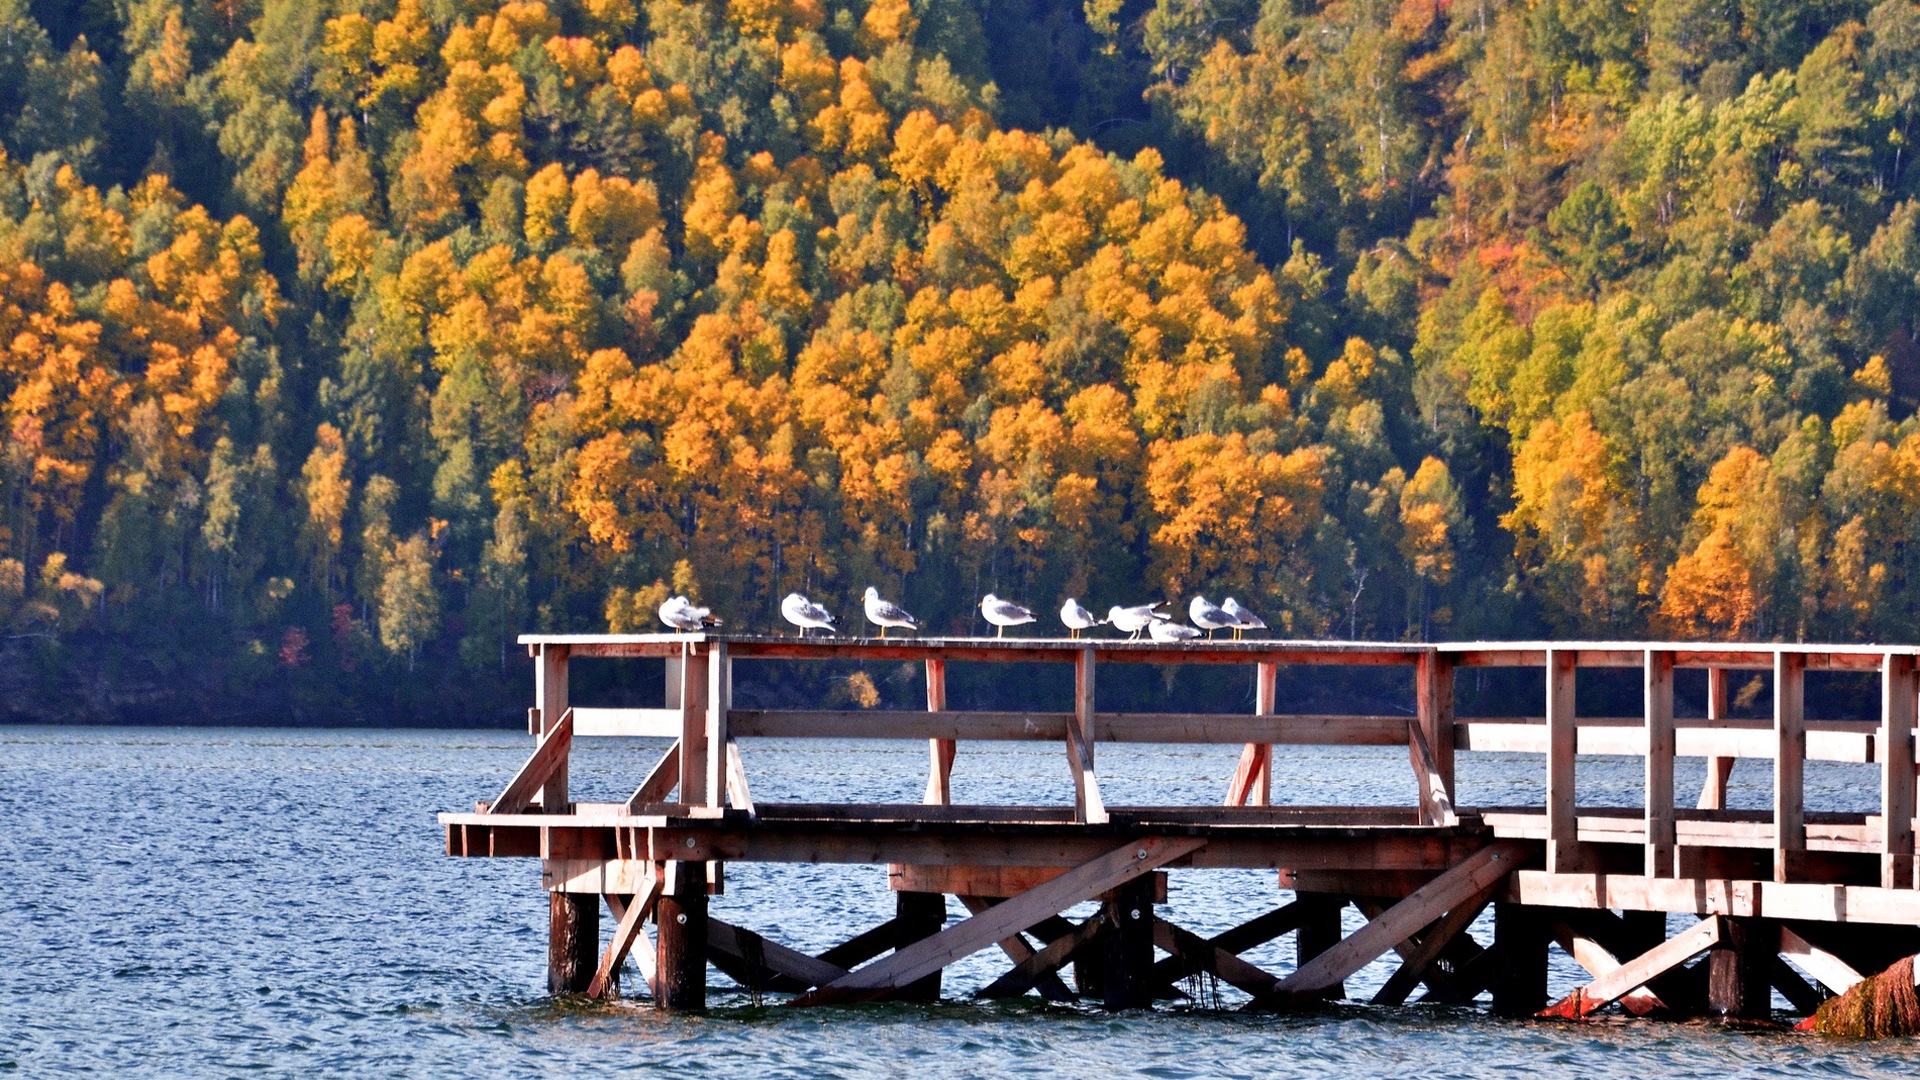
[224,901]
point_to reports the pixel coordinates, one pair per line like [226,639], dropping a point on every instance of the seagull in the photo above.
[1078,618]
[1208,616]
[1242,618]
[679,613]
[1172,632]
[882,614]
[1003,613]
[806,614]
[1137,618]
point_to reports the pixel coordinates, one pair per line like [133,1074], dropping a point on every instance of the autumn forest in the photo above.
[343,340]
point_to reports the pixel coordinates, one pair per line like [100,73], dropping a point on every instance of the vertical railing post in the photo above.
[1897,688]
[1562,747]
[550,698]
[1659,798]
[1789,761]
[940,752]
[1266,684]
[674,667]
[716,735]
[1088,807]
[693,725]
[1433,702]
[1713,791]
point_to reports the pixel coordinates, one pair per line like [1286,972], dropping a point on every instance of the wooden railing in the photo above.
[702,774]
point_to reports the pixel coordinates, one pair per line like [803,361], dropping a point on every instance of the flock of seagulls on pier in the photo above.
[681,613]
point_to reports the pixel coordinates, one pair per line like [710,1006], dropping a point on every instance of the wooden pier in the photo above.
[1789,899]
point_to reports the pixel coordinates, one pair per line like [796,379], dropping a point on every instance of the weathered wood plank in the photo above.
[775,957]
[940,751]
[1658,691]
[1896,751]
[714,735]
[1562,830]
[971,935]
[693,728]
[537,774]
[1017,950]
[1433,710]
[1396,924]
[550,698]
[1805,901]
[1641,970]
[1789,762]
[1834,973]
[660,781]
[1087,804]
[1047,961]
[738,794]
[1196,954]
[1436,800]
[625,934]
[1442,933]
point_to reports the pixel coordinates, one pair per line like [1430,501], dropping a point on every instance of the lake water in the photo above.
[188,902]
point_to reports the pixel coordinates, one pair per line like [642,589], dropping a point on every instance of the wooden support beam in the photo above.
[693,727]
[1713,792]
[1433,718]
[537,775]
[917,916]
[1801,994]
[738,794]
[1658,682]
[1127,936]
[1193,953]
[1252,783]
[1635,973]
[1015,947]
[1562,746]
[550,698]
[1601,958]
[1789,763]
[631,914]
[865,945]
[1250,934]
[573,941]
[940,752]
[1087,804]
[1048,961]
[1436,938]
[1834,973]
[660,781]
[1320,930]
[680,970]
[761,958]
[1005,919]
[1471,877]
[1740,969]
[1898,686]
[1520,937]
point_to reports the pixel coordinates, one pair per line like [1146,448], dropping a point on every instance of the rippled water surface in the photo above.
[220,901]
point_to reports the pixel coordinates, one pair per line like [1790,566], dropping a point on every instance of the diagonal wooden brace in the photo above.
[1637,972]
[1414,966]
[1196,953]
[660,782]
[969,936]
[1015,946]
[1480,871]
[547,758]
[1028,973]
[624,935]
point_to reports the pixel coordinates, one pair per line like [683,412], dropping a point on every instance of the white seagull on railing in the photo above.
[1207,615]
[1003,613]
[1242,618]
[806,614]
[1137,618]
[681,614]
[1168,633]
[882,614]
[1078,618]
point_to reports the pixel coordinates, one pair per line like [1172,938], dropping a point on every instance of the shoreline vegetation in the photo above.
[341,342]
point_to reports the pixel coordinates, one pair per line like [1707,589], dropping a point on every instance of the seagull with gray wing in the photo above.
[1242,618]
[806,614]
[1077,617]
[681,614]
[1207,615]
[1137,618]
[1003,613]
[882,614]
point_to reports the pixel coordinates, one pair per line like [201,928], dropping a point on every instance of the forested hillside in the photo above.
[346,334]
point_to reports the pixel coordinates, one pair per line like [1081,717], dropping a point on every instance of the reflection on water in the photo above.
[212,901]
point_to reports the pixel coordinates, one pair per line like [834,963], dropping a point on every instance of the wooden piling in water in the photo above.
[573,941]
[680,969]
[917,916]
[1319,931]
[1126,937]
[1520,940]
[1740,970]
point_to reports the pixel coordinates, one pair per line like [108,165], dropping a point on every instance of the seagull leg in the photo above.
[999,631]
